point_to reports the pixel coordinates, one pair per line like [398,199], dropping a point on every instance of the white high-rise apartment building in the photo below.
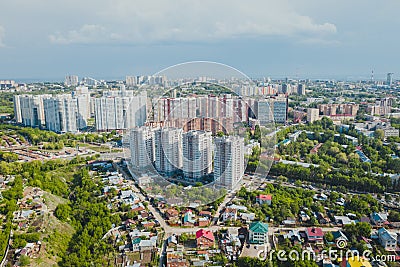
[229,161]
[82,96]
[168,150]
[142,147]
[197,154]
[312,114]
[117,110]
[71,80]
[61,113]
[29,110]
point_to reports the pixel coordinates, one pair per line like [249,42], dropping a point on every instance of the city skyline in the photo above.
[271,38]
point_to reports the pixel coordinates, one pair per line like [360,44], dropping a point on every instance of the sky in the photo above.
[109,39]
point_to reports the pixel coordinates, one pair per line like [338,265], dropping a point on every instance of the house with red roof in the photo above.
[315,234]
[204,239]
[264,199]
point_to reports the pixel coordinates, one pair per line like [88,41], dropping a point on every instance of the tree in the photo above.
[379,134]
[394,216]
[183,237]
[63,212]
[329,237]
[24,260]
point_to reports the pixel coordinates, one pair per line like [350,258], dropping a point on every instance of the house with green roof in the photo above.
[135,243]
[258,233]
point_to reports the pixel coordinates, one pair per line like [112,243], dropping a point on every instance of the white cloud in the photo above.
[192,20]
[88,33]
[2,33]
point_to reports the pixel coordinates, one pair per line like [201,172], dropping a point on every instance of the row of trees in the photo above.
[36,136]
[7,207]
[351,179]
[91,219]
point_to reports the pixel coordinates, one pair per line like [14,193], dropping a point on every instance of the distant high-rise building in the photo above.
[29,110]
[60,113]
[118,110]
[389,79]
[312,114]
[71,80]
[301,89]
[349,109]
[229,161]
[285,88]
[6,84]
[131,81]
[382,106]
[142,146]
[264,112]
[272,110]
[168,150]
[280,109]
[197,154]
[89,81]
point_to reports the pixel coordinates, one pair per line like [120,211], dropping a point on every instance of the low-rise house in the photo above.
[202,222]
[23,215]
[258,233]
[204,239]
[171,213]
[146,245]
[230,244]
[189,218]
[229,214]
[315,234]
[321,197]
[264,199]
[129,197]
[289,221]
[144,214]
[238,207]
[135,243]
[129,223]
[172,241]
[247,217]
[342,220]
[148,224]
[205,213]
[379,218]
[338,236]
[341,201]
[365,219]
[304,216]
[138,207]
[176,259]
[322,218]
[294,236]
[387,240]
[137,233]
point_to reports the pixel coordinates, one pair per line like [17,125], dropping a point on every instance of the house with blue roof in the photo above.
[387,240]
[379,218]
[189,218]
